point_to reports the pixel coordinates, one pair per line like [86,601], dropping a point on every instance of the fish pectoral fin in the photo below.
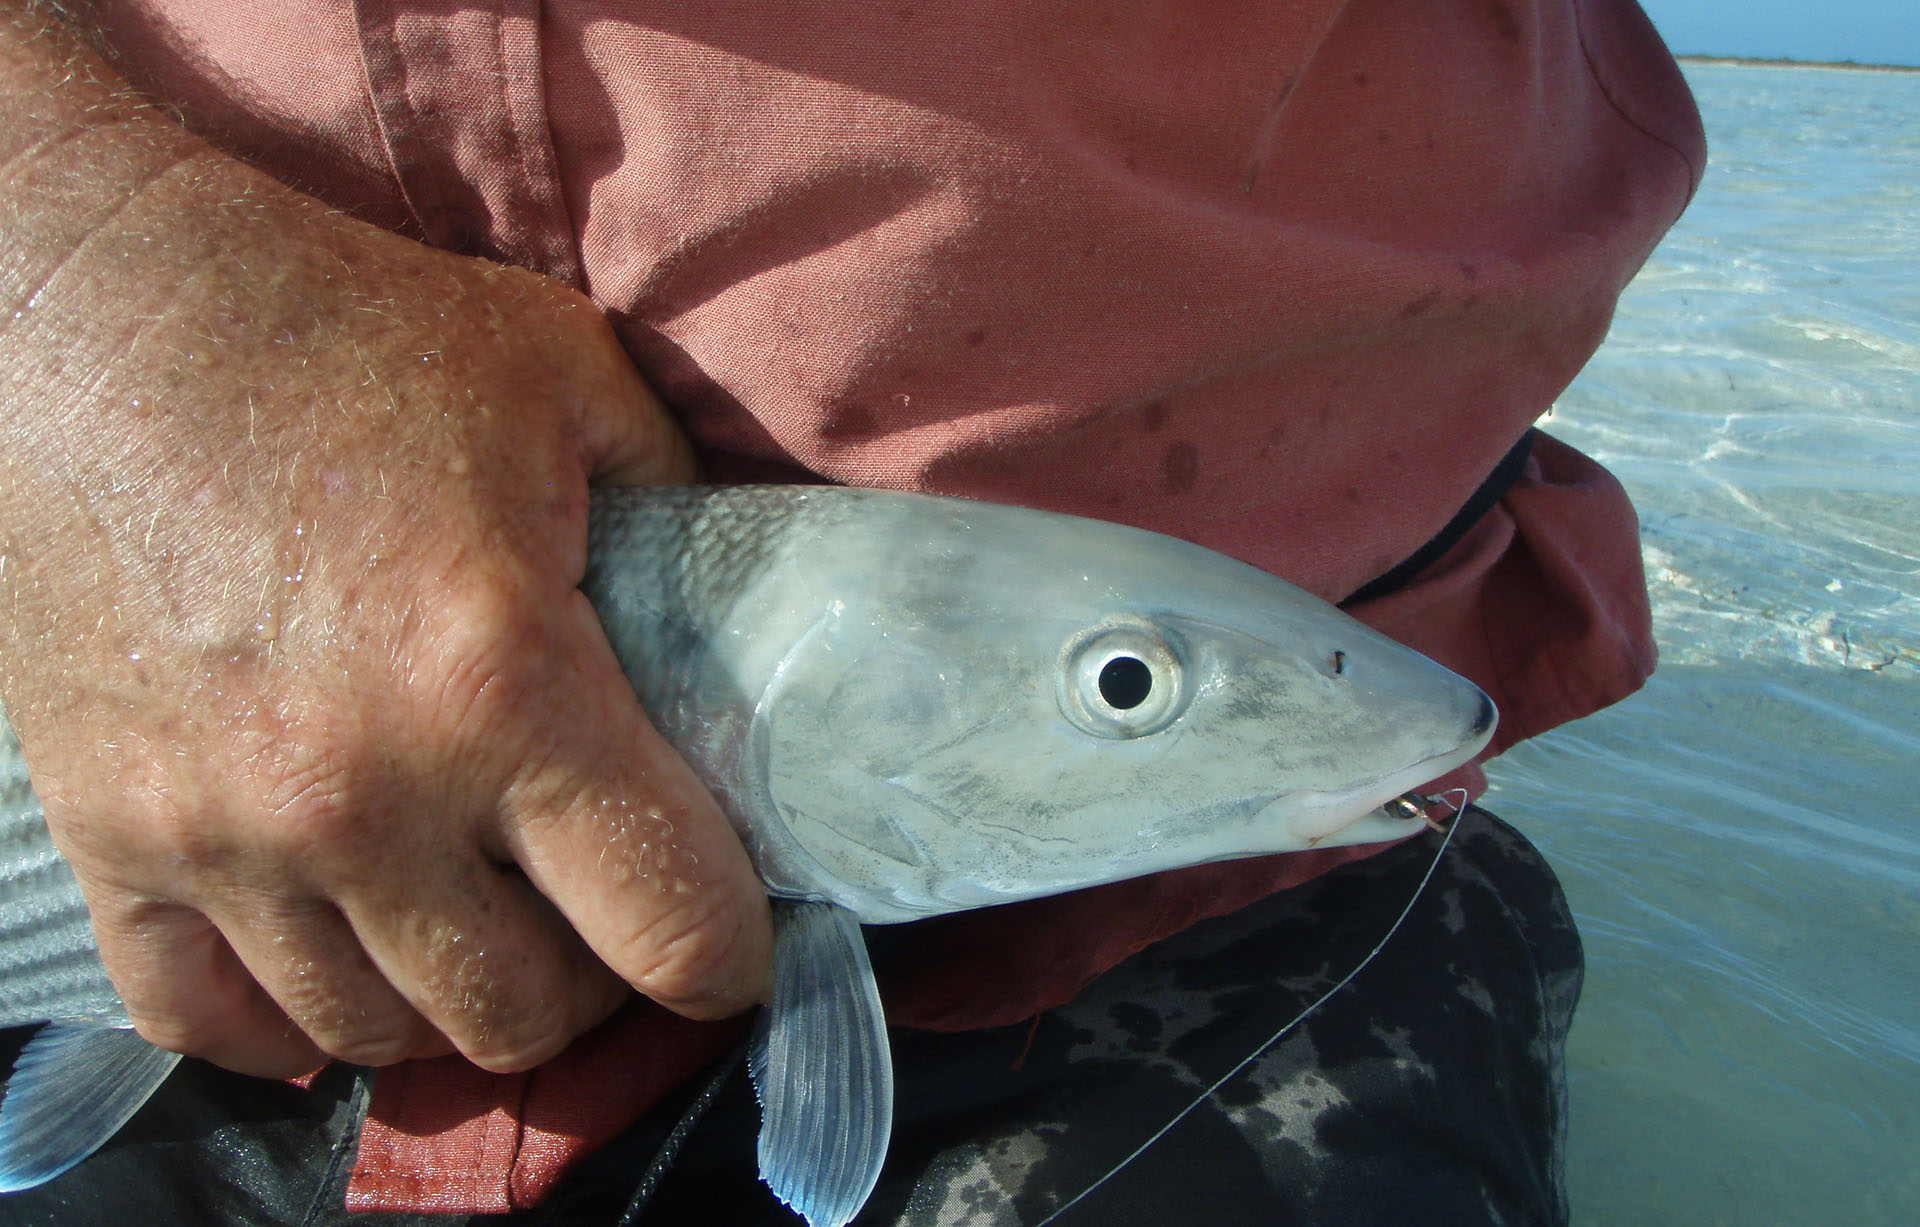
[72,1088]
[822,1067]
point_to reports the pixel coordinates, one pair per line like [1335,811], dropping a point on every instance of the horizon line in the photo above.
[1784,61]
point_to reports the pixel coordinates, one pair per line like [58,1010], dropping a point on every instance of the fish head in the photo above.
[1035,704]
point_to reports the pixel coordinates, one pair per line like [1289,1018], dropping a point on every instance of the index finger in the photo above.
[616,830]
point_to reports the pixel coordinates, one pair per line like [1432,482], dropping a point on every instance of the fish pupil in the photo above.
[1125,682]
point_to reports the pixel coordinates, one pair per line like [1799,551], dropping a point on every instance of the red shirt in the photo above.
[1284,279]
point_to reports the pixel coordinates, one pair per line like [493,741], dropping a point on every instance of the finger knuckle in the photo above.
[316,789]
[343,1024]
[371,1046]
[512,1056]
[193,1035]
[504,1004]
[509,1040]
[485,661]
[141,818]
[689,954]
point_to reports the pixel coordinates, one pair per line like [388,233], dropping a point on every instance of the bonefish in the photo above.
[907,706]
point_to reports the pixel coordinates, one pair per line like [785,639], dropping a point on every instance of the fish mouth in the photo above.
[1375,826]
[1338,819]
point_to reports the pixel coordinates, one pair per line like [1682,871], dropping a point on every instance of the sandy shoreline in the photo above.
[1752,62]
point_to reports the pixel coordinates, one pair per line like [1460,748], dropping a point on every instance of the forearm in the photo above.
[81,152]
[78,147]
[113,220]
[52,85]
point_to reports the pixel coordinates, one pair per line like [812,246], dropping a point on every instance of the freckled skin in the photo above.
[292,513]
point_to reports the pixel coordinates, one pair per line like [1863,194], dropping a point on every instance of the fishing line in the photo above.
[1459,811]
[670,1146]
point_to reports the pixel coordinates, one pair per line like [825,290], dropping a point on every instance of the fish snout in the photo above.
[1485,719]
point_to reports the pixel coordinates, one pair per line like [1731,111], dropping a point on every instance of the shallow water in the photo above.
[1741,841]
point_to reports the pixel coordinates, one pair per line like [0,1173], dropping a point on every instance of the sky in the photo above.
[1866,31]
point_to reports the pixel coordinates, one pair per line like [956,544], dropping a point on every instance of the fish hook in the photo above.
[1419,805]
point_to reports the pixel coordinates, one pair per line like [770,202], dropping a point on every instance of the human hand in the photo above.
[291,517]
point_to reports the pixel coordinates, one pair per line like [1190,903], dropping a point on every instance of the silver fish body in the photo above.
[49,965]
[907,706]
[899,699]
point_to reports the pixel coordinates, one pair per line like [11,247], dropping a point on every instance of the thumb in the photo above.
[631,438]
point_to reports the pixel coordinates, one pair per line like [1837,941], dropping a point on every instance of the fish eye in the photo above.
[1126,682]
[1123,681]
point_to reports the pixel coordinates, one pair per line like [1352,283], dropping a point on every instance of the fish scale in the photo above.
[697,551]
[48,967]
[691,555]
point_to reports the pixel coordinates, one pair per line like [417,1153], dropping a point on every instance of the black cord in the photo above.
[676,1138]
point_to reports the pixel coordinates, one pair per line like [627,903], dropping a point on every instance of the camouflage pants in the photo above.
[1428,1090]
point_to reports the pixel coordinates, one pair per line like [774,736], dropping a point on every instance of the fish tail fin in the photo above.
[822,1067]
[73,1086]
